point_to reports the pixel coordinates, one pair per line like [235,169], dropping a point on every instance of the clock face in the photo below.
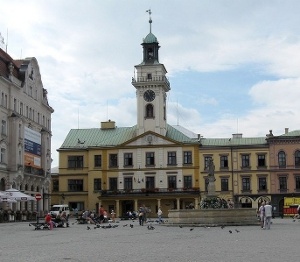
[149,95]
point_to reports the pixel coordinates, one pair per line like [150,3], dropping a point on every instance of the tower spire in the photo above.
[150,20]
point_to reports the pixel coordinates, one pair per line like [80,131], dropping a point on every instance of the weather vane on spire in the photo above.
[150,20]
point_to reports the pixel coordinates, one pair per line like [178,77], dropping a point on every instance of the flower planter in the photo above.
[11,218]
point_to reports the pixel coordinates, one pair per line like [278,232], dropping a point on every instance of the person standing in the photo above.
[159,214]
[261,213]
[113,215]
[101,213]
[268,215]
[141,216]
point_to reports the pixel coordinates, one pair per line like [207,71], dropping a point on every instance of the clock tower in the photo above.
[151,86]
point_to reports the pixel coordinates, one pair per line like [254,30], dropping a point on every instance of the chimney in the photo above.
[286,130]
[108,124]
[237,135]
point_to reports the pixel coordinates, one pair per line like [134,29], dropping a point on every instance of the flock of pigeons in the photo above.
[149,227]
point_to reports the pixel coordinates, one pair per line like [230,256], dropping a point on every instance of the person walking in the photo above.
[141,216]
[159,214]
[268,215]
[261,213]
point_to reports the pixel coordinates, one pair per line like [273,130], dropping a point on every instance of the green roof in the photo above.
[243,141]
[150,38]
[97,137]
[292,133]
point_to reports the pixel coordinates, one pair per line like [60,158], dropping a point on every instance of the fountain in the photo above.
[213,211]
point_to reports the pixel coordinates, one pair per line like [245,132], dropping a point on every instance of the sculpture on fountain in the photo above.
[212,200]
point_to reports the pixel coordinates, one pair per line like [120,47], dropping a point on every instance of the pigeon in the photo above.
[88,228]
[294,220]
[230,231]
[131,225]
[191,229]
[222,226]
[125,225]
[150,227]
[237,231]
[180,226]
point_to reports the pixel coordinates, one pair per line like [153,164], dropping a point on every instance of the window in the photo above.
[224,161]
[172,182]
[149,111]
[224,184]
[172,158]
[97,184]
[113,160]
[150,182]
[246,183]
[297,183]
[15,104]
[282,184]
[75,161]
[187,182]
[245,161]
[297,158]
[128,159]
[3,127]
[75,185]
[150,159]
[55,185]
[2,156]
[281,159]
[21,108]
[261,160]
[187,157]
[206,162]
[113,183]
[262,183]
[128,183]
[149,76]
[97,161]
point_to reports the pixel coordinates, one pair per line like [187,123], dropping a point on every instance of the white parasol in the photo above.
[17,195]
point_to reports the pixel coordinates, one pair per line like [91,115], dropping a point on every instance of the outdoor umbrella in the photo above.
[15,194]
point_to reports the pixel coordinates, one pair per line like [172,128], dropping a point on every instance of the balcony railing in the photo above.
[153,79]
[153,191]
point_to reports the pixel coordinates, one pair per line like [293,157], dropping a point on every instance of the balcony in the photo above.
[150,191]
[144,80]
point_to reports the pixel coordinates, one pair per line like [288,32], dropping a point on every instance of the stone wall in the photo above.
[213,217]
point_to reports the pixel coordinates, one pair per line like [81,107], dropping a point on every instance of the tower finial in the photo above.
[150,20]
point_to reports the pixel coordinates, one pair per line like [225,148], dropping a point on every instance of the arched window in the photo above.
[149,111]
[297,158]
[281,159]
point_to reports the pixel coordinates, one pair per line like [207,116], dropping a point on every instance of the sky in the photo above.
[233,66]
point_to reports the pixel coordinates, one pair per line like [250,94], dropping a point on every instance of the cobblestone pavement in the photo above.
[20,242]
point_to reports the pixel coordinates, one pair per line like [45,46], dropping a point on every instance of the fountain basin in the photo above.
[213,217]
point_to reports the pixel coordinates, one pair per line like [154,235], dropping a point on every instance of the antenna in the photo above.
[150,20]
[78,118]
[106,109]
[177,113]
[6,40]
[237,125]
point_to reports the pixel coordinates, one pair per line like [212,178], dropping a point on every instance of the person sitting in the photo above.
[87,218]
[48,221]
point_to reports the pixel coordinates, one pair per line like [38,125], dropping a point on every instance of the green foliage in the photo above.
[213,202]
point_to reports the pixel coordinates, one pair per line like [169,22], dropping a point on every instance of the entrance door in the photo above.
[127,205]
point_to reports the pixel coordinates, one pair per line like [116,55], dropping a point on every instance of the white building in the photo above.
[25,136]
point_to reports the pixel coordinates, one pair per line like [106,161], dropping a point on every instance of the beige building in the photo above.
[25,139]
[159,165]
